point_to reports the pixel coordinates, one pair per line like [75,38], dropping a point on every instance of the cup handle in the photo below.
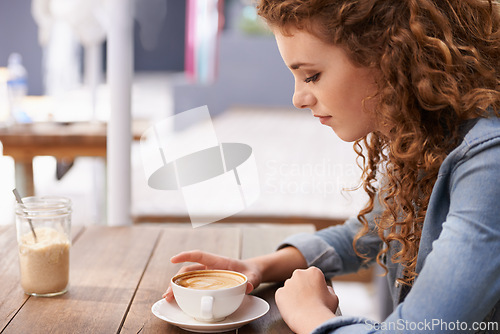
[207,304]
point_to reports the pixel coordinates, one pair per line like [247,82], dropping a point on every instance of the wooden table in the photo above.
[118,273]
[61,140]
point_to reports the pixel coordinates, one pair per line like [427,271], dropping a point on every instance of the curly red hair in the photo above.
[440,65]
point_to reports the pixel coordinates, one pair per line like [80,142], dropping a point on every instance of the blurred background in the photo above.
[185,54]
[54,61]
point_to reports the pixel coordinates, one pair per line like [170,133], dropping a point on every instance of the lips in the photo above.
[323,118]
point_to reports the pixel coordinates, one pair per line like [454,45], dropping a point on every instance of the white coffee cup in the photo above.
[209,295]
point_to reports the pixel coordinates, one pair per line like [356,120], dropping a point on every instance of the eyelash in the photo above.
[313,78]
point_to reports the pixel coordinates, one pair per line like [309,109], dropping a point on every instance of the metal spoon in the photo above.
[20,201]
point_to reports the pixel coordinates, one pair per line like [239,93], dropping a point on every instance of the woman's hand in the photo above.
[205,260]
[305,301]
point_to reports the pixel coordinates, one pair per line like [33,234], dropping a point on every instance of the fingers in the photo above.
[311,272]
[181,257]
[192,267]
[316,273]
[249,288]
[204,258]
[168,295]
[312,276]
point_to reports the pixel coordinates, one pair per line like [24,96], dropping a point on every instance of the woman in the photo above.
[415,84]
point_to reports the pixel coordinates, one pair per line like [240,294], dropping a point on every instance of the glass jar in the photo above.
[44,239]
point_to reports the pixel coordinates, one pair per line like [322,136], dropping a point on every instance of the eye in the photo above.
[313,78]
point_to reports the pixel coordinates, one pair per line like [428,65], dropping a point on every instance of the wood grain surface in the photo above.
[118,273]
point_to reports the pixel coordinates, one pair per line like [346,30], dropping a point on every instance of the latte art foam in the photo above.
[210,280]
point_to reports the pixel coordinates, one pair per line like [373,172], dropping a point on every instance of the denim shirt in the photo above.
[458,264]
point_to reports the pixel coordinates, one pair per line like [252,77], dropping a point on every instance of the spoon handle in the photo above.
[20,201]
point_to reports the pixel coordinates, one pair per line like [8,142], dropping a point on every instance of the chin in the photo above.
[347,137]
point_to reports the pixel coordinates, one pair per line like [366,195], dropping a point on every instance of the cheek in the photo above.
[340,93]
[342,101]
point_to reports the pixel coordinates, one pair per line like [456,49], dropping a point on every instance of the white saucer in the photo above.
[252,308]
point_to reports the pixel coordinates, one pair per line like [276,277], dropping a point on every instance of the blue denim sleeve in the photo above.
[331,249]
[347,325]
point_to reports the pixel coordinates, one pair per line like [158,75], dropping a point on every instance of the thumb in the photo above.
[334,301]
[249,287]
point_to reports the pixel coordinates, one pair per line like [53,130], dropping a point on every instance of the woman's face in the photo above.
[329,84]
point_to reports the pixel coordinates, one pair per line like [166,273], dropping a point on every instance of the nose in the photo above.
[302,97]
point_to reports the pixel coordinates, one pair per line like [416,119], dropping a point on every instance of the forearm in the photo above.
[280,265]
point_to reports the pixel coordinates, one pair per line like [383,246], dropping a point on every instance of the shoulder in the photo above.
[484,135]
[485,130]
